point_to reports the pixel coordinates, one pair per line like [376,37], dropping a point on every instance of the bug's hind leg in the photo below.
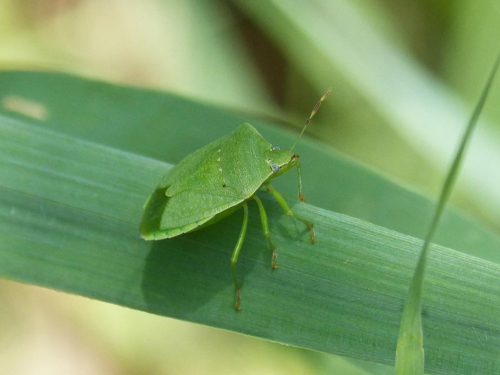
[236,254]
[301,194]
[289,212]
[265,228]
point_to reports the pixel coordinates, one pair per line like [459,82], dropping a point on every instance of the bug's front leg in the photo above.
[236,254]
[289,212]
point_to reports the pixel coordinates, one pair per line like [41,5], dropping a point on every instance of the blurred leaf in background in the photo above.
[405,77]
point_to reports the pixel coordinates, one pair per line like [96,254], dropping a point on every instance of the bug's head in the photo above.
[281,161]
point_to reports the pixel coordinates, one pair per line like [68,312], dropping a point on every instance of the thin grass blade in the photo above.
[410,352]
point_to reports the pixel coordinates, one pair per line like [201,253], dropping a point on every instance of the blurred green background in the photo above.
[405,77]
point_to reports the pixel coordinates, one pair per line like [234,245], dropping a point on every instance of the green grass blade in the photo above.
[69,216]
[410,352]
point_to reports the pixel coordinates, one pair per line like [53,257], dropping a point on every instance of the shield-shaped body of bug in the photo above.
[217,180]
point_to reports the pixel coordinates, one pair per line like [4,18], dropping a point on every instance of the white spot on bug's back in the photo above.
[220,168]
[218,160]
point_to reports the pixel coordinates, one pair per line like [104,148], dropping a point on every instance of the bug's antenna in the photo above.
[315,109]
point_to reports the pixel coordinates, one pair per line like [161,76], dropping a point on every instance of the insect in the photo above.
[218,179]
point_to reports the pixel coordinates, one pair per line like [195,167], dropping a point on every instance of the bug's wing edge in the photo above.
[174,232]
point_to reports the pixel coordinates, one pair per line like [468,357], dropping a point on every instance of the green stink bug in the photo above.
[215,181]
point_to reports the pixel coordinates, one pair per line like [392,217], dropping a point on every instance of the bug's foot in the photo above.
[237,300]
[273,258]
[301,198]
[313,234]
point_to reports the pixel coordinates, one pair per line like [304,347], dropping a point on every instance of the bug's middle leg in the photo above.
[289,212]
[265,228]
[236,254]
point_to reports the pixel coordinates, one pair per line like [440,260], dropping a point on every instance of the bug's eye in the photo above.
[275,167]
[276,148]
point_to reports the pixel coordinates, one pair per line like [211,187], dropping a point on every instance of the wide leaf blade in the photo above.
[69,213]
